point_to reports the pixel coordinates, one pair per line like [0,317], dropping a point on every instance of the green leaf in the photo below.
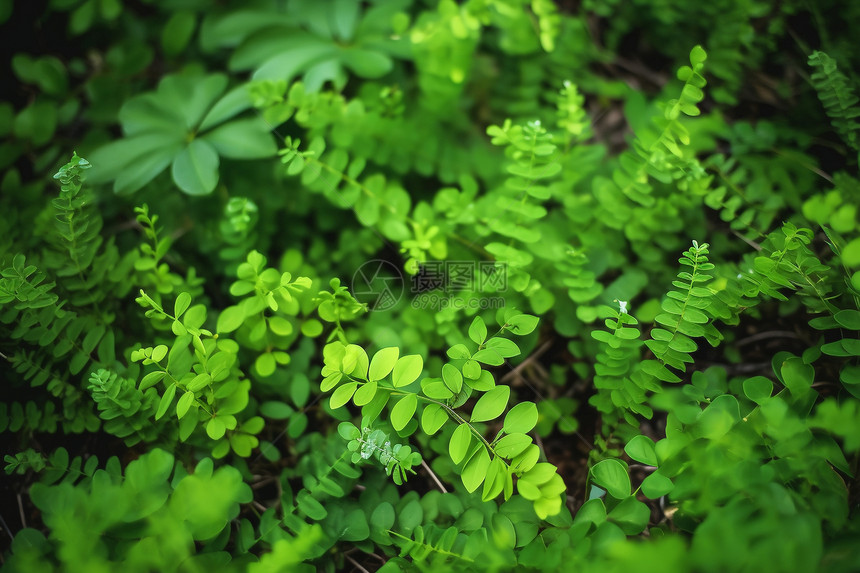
[471,370]
[407,370]
[310,506]
[383,362]
[276,410]
[432,418]
[230,319]
[504,347]
[403,411]
[365,393]
[183,301]
[592,511]
[195,169]
[383,516]
[367,63]
[521,418]
[342,395]
[849,319]
[243,139]
[452,378]
[797,376]
[165,402]
[631,515]
[656,485]
[491,405]
[476,469]
[265,364]
[461,439]
[183,404]
[177,32]
[410,515]
[494,482]
[280,326]
[151,379]
[758,388]
[458,351]
[436,389]
[851,253]
[698,55]
[488,356]
[356,526]
[478,331]
[612,476]
[512,445]
[231,104]
[159,352]
[215,428]
[642,449]
[522,324]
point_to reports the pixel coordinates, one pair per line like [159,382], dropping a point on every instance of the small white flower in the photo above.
[622,306]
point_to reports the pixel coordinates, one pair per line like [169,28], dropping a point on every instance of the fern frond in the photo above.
[837,95]
[376,200]
[59,467]
[685,316]
[24,286]
[77,223]
[30,417]
[125,409]
[572,117]
[658,153]
[787,262]
[39,318]
[532,163]
[432,543]
[617,393]
[33,368]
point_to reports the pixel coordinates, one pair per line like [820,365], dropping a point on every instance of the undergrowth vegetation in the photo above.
[413,285]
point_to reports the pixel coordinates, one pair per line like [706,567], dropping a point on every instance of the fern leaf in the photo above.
[685,312]
[837,95]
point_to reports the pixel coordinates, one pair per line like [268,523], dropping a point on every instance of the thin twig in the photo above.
[6,527]
[263,481]
[259,506]
[21,511]
[765,336]
[356,564]
[515,372]
[749,242]
[434,476]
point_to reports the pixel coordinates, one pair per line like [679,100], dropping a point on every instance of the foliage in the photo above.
[410,298]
